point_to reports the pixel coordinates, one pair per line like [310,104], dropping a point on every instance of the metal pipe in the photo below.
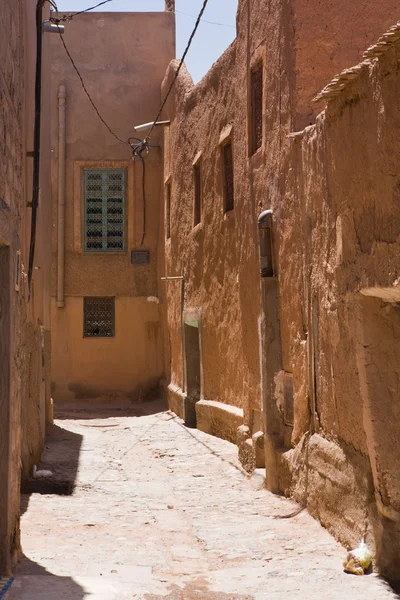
[168,278]
[62,94]
[36,138]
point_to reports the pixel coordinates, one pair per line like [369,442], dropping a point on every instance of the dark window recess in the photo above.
[168,210]
[256,86]
[289,399]
[104,194]
[197,193]
[99,317]
[266,254]
[229,197]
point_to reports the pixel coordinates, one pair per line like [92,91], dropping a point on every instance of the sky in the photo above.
[211,39]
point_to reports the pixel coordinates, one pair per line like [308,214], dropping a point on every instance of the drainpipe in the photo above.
[61,196]
[40,27]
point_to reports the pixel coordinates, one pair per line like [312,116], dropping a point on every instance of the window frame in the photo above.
[227,142]
[168,197]
[103,169]
[85,311]
[197,192]
[253,147]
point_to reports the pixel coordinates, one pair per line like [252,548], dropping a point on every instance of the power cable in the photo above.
[36,139]
[163,103]
[69,17]
[144,198]
[90,8]
[205,20]
[87,93]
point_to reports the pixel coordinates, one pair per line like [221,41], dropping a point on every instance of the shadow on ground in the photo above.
[85,410]
[34,582]
[61,457]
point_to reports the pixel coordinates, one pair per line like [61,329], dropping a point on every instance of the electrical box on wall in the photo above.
[140,257]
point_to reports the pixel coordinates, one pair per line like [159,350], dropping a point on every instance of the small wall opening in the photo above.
[193,371]
[229,193]
[168,210]
[197,194]
[256,108]
[266,244]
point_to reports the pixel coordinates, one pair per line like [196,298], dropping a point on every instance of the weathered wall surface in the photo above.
[122,58]
[332,192]
[348,164]
[24,329]
[328,37]
[36,391]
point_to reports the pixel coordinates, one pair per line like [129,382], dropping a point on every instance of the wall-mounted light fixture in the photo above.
[52,27]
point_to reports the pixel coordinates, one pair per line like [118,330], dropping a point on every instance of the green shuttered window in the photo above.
[104,194]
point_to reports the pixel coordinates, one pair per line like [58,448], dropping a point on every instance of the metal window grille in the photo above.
[197,193]
[98,317]
[228,177]
[256,86]
[104,192]
[289,399]
[168,210]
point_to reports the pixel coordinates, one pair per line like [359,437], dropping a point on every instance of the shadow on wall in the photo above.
[33,581]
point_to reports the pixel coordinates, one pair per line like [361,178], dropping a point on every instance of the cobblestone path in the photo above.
[161,511]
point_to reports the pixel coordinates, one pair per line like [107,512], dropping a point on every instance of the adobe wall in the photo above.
[24,335]
[328,37]
[36,390]
[122,58]
[332,194]
[347,165]
[219,257]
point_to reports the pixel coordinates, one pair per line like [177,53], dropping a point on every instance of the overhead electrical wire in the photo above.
[87,93]
[179,12]
[90,8]
[163,103]
[141,145]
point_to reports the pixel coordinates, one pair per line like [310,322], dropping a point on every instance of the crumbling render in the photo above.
[341,81]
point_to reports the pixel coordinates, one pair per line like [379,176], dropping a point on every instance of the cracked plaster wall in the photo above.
[333,194]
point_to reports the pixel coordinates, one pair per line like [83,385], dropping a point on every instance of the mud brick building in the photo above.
[281,228]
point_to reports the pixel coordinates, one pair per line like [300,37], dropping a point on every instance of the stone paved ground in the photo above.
[161,511]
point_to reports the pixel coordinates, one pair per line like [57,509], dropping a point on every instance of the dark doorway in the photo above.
[193,370]
[4,407]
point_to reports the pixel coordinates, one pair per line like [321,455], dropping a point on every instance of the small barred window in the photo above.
[229,197]
[197,193]
[256,90]
[168,210]
[104,194]
[98,317]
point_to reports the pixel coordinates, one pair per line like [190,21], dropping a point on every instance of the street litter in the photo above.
[359,560]
[41,473]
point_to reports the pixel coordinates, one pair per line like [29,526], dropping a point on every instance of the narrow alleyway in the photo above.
[161,511]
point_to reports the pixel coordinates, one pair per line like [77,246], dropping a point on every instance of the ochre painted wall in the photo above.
[122,58]
[108,369]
